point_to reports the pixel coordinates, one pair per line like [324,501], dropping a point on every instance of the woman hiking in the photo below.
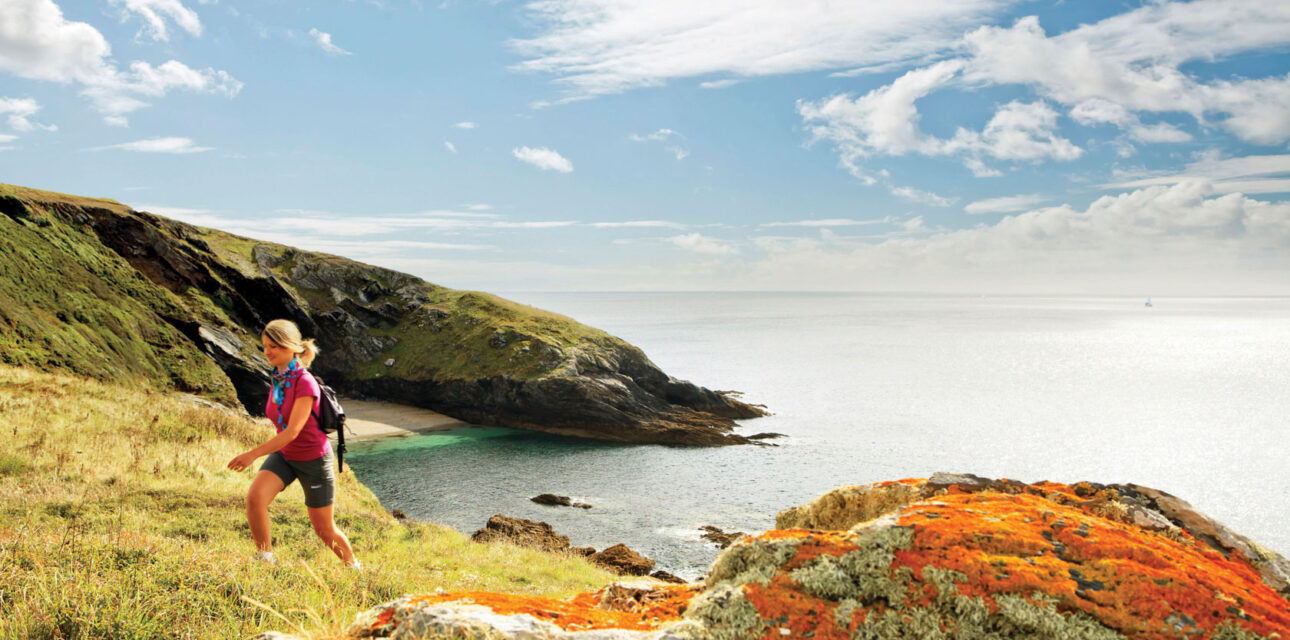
[300,450]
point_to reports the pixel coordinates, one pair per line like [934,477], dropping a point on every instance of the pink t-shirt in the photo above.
[312,443]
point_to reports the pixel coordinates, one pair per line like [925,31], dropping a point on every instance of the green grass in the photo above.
[119,520]
[68,302]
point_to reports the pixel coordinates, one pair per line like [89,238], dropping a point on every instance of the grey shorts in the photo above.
[317,476]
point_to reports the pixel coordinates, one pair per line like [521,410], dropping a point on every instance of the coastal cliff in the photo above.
[94,287]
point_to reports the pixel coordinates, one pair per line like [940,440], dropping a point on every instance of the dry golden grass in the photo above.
[119,520]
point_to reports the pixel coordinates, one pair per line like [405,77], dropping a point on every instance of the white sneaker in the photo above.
[266,556]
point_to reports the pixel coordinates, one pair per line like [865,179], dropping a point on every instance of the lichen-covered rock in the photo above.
[618,612]
[844,507]
[948,558]
[966,557]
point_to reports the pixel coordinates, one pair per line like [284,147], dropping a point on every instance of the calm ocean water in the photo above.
[1190,396]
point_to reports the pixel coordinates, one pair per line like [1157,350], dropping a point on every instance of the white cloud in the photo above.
[37,43]
[828,222]
[1247,174]
[466,125]
[885,122]
[1131,63]
[155,12]
[183,214]
[598,47]
[323,40]
[719,84]
[1017,131]
[663,135]
[924,197]
[543,158]
[702,244]
[158,145]
[324,226]
[1179,239]
[1111,72]
[1006,204]
[450,146]
[639,224]
[20,111]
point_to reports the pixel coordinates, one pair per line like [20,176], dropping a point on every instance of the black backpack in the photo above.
[331,418]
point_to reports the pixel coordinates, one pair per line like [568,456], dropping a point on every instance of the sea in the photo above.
[1187,395]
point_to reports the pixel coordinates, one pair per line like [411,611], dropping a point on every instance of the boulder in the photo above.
[668,577]
[623,560]
[521,532]
[550,499]
[722,538]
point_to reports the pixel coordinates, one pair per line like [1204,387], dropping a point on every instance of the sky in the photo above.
[954,146]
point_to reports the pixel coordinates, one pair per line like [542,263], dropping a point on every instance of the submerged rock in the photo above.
[723,539]
[950,557]
[551,499]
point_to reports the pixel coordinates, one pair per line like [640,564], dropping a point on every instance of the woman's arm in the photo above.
[300,411]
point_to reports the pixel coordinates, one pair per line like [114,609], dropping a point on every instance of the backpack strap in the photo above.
[340,433]
[340,444]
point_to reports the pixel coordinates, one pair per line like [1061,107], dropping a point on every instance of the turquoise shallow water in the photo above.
[1188,396]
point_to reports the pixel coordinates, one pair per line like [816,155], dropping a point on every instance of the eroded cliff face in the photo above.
[389,335]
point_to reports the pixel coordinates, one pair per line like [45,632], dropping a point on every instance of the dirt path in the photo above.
[379,419]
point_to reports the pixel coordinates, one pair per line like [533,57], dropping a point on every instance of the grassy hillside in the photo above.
[68,302]
[119,520]
[450,334]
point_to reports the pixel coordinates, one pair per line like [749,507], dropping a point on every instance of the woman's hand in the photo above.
[243,461]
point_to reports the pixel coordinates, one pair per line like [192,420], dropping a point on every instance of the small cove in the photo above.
[1187,396]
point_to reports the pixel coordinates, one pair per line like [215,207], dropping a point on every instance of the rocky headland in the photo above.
[94,287]
[950,557]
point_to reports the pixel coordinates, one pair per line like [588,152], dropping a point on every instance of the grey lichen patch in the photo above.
[903,623]
[1230,631]
[722,613]
[751,561]
[864,573]
[953,616]
[1019,616]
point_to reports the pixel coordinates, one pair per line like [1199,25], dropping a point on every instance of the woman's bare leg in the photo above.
[333,537]
[266,486]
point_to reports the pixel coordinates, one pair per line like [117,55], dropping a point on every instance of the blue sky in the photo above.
[967,146]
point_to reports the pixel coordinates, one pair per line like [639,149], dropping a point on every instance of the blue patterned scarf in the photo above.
[281,382]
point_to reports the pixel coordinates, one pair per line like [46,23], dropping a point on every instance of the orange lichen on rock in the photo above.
[1131,580]
[580,613]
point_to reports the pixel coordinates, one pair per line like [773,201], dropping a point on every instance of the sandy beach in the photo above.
[366,420]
